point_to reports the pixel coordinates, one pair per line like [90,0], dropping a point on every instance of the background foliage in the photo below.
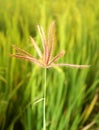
[72,94]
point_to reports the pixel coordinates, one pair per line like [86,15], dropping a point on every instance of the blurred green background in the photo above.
[72,94]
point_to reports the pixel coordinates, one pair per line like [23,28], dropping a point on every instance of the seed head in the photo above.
[46,59]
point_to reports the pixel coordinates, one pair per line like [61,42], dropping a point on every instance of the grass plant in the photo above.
[72,94]
[46,60]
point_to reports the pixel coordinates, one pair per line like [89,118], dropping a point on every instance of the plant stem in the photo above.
[44,104]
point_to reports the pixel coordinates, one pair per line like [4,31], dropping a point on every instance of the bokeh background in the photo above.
[72,94]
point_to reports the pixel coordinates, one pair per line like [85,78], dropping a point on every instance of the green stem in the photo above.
[44,104]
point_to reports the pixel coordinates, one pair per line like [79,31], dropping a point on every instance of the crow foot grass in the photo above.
[46,59]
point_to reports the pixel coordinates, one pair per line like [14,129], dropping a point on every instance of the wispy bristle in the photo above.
[51,35]
[73,65]
[36,47]
[32,59]
[44,41]
[21,51]
[42,35]
[57,57]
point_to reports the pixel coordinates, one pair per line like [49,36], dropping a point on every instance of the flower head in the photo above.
[46,60]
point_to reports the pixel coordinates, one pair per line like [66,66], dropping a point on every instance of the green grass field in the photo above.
[72,94]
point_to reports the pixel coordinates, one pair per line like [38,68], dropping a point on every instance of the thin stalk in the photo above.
[44,104]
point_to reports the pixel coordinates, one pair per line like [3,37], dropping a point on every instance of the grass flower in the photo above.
[46,59]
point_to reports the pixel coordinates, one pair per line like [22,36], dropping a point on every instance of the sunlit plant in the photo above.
[46,59]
